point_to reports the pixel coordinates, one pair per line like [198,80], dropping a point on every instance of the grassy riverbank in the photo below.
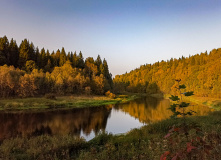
[147,142]
[64,102]
[214,103]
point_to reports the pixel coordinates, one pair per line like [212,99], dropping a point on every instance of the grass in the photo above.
[214,103]
[147,142]
[64,102]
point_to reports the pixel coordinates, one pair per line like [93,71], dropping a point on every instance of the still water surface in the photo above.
[88,122]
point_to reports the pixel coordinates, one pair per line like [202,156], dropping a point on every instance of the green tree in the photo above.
[13,53]
[4,50]
[80,63]
[23,53]
[75,60]
[62,57]
[98,62]
[44,59]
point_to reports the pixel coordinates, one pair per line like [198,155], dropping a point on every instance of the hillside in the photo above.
[201,73]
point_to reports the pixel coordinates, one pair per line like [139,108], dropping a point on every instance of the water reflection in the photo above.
[88,122]
[147,109]
[85,120]
[150,109]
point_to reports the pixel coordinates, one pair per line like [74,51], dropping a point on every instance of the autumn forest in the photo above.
[200,73]
[26,71]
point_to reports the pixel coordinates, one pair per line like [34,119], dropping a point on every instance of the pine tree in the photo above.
[62,57]
[13,53]
[23,53]
[4,45]
[38,58]
[75,60]
[31,52]
[43,58]
[57,57]
[98,62]
[80,61]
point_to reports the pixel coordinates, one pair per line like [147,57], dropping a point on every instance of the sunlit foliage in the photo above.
[201,73]
[26,71]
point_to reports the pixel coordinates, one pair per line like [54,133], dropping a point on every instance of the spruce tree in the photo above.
[80,61]
[4,44]
[75,60]
[23,53]
[13,53]
[98,62]
[62,57]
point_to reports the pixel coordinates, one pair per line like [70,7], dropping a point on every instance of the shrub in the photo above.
[110,95]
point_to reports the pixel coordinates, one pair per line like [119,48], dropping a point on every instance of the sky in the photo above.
[127,33]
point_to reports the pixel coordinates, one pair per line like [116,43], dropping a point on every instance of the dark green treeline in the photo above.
[201,73]
[27,71]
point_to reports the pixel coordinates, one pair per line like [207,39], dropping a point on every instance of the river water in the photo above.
[88,122]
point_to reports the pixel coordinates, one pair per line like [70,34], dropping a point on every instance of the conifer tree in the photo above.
[80,61]
[14,53]
[62,57]
[98,62]
[38,58]
[75,60]
[57,58]
[4,45]
[23,53]
[31,52]
[43,58]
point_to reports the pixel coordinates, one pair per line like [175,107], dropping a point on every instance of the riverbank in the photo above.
[62,102]
[214,103]
[147,142]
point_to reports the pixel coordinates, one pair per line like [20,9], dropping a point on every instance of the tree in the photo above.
[31,52]
[179,134]
[48,67]
[38,58]
[30,65]
[43,58]
[62,57]
[27,86]
[90,67]
[3,59]
[23,53]
[57,58]
[98,62]
[4,50]
[13,53]
[80,63]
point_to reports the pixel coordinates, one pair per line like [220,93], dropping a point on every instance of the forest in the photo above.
[26,71]
[201,73]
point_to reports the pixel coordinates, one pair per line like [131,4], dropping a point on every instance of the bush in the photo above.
[50,96]
[110,95]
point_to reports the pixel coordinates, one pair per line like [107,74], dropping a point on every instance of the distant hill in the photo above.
[201,73]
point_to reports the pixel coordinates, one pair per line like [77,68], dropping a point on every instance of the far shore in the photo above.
[61,102]
[214,103]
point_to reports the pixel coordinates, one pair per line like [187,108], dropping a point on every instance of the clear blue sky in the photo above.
[127,33]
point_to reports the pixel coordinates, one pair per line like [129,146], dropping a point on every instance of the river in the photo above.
[88,122]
